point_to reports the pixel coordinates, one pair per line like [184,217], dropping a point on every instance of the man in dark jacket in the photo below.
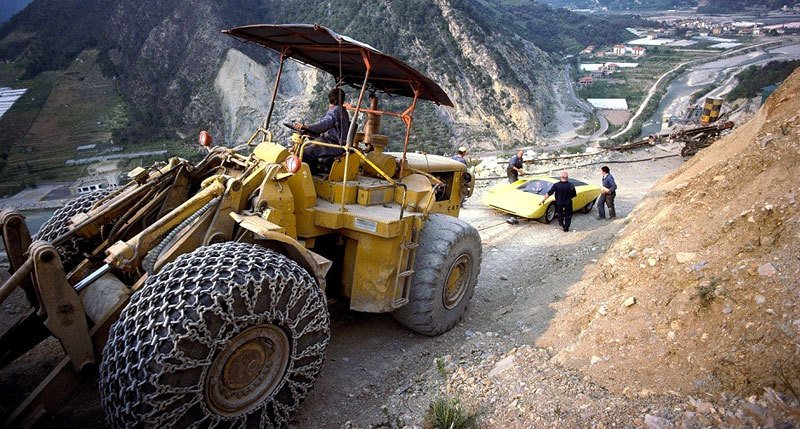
[332,128]
[564,192]
[609,192]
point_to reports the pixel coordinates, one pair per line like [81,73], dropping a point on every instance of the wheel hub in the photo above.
[457,280]
[247,370]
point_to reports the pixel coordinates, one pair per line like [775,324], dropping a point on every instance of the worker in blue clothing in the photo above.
[608,193]
[332,128]
[515,167]
[460,156]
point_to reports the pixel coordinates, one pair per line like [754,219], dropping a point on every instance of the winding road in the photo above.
[586,107]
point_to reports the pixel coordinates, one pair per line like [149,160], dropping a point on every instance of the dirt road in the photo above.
[375,369]
[373,362]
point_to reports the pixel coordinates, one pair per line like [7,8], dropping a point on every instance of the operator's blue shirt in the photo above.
[333,126]
[516,161]
[459,158]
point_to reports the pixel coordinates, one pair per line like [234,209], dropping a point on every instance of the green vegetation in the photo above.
[754,78]
[551,29]
[448,413]
[638,80]
[440,367]
[624,4]
[14,126]
[707,291]
[600,89]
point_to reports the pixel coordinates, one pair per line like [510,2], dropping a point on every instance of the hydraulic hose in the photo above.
[149,261]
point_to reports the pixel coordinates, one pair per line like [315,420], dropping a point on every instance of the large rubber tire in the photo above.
[229,335]
[549,214]
[589,206]
[446,270]
[70,251]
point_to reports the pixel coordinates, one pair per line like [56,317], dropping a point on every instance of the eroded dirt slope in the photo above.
[712,261]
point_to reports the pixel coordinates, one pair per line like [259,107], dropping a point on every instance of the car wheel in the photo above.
[588,207]
[549,214]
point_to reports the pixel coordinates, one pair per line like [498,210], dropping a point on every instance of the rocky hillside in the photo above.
[178,74]
[700,292]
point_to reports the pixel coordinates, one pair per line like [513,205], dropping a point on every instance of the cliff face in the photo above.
[178,74]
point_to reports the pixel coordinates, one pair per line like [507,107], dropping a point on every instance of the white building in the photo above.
[100,176]
[608,103]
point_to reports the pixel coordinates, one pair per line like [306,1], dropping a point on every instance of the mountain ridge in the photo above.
[166,58]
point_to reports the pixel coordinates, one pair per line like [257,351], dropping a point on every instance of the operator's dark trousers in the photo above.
[606,200]
[564,214]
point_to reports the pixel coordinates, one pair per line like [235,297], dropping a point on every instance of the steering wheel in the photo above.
[303,130]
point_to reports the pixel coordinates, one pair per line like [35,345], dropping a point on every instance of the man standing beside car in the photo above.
[608,193]
[564,192]
[515,167]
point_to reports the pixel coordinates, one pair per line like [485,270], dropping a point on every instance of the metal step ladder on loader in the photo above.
[197,293]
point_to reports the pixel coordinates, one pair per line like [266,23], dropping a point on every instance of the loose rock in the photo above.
[767,270]
[502,366]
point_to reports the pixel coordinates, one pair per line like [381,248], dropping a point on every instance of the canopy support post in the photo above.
[351,132]
[408,119]
[275,88]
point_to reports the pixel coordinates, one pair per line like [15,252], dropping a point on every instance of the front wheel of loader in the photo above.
[230,335]
[446,270]
[58,224]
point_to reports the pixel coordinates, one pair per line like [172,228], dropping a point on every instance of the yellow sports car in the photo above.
[522,197]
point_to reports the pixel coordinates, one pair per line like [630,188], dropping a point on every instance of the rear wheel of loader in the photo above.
[58,224]
[446,270]
[231,334]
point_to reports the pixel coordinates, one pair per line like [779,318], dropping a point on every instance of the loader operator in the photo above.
[332,128]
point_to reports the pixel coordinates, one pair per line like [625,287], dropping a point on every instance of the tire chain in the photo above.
[225,282]
[58,223]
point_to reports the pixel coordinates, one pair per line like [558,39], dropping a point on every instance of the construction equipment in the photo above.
[692,139]
[199,290]
[712,108]
[695,139]
[693,115]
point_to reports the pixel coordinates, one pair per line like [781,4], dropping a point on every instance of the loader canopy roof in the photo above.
[342,56]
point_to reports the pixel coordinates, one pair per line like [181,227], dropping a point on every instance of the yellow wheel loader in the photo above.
[198,293]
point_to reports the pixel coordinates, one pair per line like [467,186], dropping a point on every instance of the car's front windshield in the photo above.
[538,187]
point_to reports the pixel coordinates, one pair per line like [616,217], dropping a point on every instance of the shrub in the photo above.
[448,413]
